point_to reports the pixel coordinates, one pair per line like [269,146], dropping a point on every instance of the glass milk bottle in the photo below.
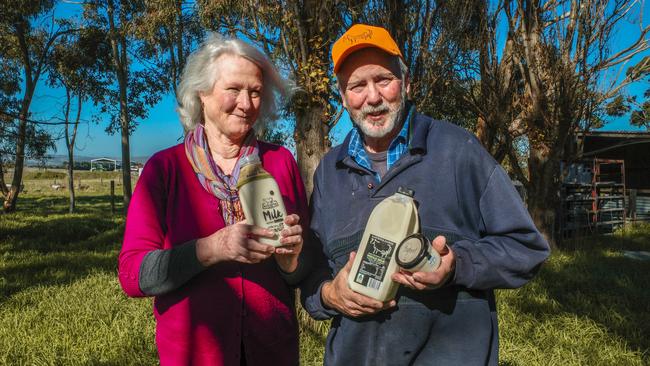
[392,220]
[415,254]
[260,198]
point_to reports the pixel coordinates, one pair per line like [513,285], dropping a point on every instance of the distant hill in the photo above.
[58,160]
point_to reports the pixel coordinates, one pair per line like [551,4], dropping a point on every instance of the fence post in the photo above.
[112,197]
[632,205]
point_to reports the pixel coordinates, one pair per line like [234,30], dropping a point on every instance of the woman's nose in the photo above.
[244,101]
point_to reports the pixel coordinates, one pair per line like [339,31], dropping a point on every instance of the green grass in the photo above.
[589,305]
[60,301]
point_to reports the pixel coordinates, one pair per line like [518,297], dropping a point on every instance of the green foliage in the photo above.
[641,116]
[618,107]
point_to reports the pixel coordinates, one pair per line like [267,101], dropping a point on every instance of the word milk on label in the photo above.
[260,198]
[392,220]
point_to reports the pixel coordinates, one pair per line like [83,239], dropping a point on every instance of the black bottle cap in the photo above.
[405,191]
[412,250]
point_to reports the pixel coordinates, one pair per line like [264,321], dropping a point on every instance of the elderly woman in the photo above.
[221,296]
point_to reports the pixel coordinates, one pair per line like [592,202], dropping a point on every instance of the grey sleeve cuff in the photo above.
[305,261]
[165,270]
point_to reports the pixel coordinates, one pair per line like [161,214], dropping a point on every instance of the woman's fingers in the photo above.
[292,219]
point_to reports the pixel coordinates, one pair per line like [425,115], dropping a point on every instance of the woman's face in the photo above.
[233,105]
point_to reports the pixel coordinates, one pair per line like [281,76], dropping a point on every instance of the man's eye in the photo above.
[233,90]
[384,82]
[356,88]
[255,93]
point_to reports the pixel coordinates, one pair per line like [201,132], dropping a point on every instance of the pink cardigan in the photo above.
[205,321]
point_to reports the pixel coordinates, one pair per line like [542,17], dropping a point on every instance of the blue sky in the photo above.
[162,129]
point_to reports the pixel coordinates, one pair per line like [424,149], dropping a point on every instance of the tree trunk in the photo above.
[126,153]
[3,185]
[542,192]
[12,196]
[310,142]
[120,63]
[71,179]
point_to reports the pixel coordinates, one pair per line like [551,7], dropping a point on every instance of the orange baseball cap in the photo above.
[362,36]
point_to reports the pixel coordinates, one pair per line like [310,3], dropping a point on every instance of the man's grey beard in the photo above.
[392,120]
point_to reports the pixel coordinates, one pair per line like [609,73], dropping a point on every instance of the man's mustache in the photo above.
[382,108]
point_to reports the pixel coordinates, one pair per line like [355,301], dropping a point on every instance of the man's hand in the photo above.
[291,239]
[430,280]
[337,295]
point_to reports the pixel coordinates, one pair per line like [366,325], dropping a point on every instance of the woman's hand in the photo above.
[238,242]
[291,240]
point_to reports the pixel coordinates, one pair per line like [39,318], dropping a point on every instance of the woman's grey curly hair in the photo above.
[200,74]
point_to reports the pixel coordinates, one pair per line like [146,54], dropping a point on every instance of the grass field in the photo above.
[60,301]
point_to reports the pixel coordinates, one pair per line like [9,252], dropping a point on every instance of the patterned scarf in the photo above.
[212,178]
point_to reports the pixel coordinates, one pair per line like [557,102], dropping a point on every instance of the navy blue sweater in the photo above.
[463,194]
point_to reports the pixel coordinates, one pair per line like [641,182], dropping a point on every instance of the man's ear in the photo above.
[342,94]
[345,105]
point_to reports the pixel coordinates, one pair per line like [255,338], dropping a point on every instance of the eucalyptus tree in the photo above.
[28,30]
[552,76]
[169,29]
[79,66]
[135,83]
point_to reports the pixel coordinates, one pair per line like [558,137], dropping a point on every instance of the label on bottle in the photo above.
[374,262]
[273,216]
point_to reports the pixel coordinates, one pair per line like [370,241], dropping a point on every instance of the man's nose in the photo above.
[373,97]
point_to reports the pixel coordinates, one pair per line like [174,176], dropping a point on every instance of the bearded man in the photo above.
[468,210]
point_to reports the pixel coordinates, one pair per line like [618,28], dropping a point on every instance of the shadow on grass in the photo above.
[48,205]
[52,270]
[43,245]
[591,278]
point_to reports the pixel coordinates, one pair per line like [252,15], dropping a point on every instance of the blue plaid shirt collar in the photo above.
[396,149]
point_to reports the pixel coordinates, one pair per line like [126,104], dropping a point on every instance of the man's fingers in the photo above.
[348,265]
[405,279]
[428,279]
[440,244]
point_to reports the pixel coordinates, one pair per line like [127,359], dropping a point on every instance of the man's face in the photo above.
[373,92]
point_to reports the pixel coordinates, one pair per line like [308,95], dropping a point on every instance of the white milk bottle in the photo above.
[392,220]
[260,198]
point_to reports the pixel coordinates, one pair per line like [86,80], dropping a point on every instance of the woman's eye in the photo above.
[255,93]
[233,90]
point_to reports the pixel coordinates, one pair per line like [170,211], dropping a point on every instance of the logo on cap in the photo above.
[364,36]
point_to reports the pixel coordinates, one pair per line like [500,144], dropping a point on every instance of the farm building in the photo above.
[609,183]
[104,164]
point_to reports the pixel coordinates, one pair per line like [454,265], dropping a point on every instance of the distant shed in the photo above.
[608,184]
[103,164]
[631,147]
